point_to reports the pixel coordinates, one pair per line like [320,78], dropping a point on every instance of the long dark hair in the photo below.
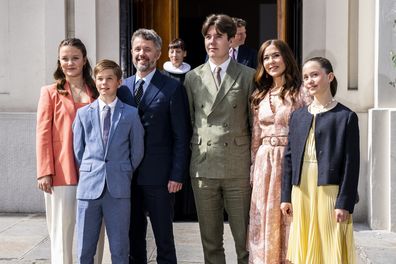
[263,81]
[326,65]
[60,77]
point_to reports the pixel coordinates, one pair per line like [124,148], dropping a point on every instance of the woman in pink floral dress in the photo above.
[277,94]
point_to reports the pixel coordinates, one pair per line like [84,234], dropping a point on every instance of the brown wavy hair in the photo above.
[60,77]
[264,82]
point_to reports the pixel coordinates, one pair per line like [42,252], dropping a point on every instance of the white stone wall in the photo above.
[30,32]
[329,30]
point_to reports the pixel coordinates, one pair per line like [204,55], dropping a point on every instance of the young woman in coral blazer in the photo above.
[56,170]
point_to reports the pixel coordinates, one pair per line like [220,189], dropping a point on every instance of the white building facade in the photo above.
[358,36]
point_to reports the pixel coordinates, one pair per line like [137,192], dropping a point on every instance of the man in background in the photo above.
[239,51]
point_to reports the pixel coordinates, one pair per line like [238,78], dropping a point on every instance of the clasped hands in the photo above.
[341,215]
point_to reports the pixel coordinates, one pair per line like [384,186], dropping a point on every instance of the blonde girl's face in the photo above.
[273,61]
[71,61]
[315,79]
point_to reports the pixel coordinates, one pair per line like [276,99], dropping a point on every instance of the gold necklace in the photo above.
[73,88]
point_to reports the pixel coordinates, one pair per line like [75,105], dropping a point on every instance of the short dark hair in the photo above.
[222,23]
[108,65]
[148,34]
[177,44]
[239,22]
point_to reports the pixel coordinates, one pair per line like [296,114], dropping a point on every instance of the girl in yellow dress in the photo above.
[320,173]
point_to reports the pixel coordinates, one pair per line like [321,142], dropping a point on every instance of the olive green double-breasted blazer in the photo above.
[220,117]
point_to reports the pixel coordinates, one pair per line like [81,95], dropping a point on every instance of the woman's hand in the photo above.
[341,215]
[287,209]
[45,184]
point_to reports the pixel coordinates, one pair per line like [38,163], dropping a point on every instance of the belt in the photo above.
[275,140]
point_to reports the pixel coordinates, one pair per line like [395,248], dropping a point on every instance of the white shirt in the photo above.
[102,112]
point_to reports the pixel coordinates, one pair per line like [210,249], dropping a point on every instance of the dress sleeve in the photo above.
[256,139]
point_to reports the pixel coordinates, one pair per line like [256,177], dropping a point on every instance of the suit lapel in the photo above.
[119,107]
[209,81]
[152,90]
[228,82]
[95,119]
[131,88]
[68,102]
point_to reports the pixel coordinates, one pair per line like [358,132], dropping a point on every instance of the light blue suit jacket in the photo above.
[113,164]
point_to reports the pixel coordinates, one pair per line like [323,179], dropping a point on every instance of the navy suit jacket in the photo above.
[165,117]
[247,56]
[337,152]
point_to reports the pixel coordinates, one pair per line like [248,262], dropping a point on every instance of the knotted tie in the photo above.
[217,74]
[106,124]
[139,91]
[234,53]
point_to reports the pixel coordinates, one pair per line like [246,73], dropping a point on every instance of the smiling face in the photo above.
[217,45]
[71,61]
[144,55]
[107,83]
[273,61]
[176,56]
[316,80]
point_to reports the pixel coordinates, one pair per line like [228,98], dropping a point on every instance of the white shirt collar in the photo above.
[147,78]
[169,67]
[112,104]
[223,66]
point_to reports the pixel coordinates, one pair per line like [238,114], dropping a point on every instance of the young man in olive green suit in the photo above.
[220,162]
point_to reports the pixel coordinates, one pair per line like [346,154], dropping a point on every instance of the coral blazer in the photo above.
[54,136]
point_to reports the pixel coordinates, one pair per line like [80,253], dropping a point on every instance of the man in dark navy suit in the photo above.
[163,108]
[239,51]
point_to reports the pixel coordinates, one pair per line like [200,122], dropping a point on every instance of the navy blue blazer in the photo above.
[337,152]
[247,56]
[165,117]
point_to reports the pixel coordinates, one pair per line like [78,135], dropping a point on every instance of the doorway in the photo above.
[266,19]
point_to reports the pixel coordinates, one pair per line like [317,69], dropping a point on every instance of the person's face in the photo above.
[71,61]
[315,79]
[240,36]
[107,83]
[217,45]
[176,56]
[144,55]
[273,61]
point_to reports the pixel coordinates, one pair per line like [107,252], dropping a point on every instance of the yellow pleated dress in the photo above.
[315,236]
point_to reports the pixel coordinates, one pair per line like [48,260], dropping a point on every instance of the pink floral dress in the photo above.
[268,229]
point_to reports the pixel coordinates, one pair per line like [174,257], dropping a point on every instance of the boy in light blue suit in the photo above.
[108,147]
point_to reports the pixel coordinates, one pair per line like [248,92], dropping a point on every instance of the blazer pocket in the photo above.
[126,166]
[85,167]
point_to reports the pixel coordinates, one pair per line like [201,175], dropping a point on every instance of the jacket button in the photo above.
[202,106]
[209,143]
[225,125]
[234,106]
